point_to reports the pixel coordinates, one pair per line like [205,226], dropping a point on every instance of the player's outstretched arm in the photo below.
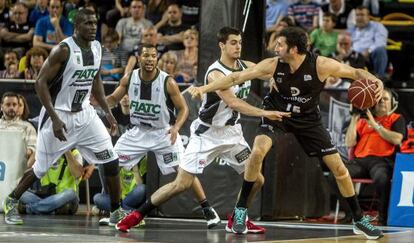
[263,70]
[119,92]
[329,67]
[49,76]
[180,104]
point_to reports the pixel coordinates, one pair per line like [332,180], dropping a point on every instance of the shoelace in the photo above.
[365,222]
[239,216]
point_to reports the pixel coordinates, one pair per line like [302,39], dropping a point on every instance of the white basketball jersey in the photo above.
[149,102]
[213,110]
[71,88]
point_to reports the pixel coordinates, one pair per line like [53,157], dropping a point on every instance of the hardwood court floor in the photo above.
[85,229]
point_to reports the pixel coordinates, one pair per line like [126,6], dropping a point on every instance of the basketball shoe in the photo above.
[129,221]
[212,217]
[364,227]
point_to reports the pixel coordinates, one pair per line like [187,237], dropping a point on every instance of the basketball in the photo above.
[361,93]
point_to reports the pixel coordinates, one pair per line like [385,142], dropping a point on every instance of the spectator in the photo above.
[11,71]
[168,64]
[121,10]
[59,187]
[35,58]
[374,135]
[345,16]
[305,13]
[345,54]
[156,9]
[52,29]
[172,28]
[283,23]
[23,111]
[188,58]
[324,39]
[11,120]
[18,34]
[275,11]
[113,61]
[191,11]
[370,39]
[130,29]
[10,56]
[38,12]
[4,14]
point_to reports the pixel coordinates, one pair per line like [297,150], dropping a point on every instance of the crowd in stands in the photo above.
[30,29]
[325,21]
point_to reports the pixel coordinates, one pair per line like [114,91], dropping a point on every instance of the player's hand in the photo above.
[173,131]
[88,171]
[195,92]
[58,127]
[276,115]
[379,90]
[113,123]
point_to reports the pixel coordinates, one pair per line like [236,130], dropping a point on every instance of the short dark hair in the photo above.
[81,14]
[288,21]
[362,7]
[35,51]
[224,33]
[295,36]
[145,45]
[330,15]
[9,94]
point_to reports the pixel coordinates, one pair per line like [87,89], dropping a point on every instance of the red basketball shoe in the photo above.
[251,228]
[129,221]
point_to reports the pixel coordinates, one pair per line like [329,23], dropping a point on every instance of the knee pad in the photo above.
[111,168]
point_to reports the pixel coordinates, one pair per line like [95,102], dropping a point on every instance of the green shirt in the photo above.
[324,42]
[68,181]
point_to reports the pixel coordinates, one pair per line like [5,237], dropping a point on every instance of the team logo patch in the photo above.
[307,77]
[294,91]
[202,163]
[242,155]
[104,155]
[170,157]
[124,157]
[279,80]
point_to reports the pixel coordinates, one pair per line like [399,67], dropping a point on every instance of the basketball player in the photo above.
[153,95]
[299,78]
[215,133]
[67,120]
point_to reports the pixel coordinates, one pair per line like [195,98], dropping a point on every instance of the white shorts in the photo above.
[136,142]
[85,131]
[226,143]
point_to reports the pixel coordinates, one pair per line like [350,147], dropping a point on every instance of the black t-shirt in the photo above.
[4,17]
[342,18]
[172,30]
[20,29]
[190,10]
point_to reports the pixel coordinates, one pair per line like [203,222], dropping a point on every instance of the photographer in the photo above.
[59,187]
[374,135]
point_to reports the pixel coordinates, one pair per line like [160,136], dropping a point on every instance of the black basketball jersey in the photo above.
[299,91]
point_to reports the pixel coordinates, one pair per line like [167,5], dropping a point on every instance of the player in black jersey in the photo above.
[298,80]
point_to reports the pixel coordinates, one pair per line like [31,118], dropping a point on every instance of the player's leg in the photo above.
[209,212]
[343,179]
[182,182]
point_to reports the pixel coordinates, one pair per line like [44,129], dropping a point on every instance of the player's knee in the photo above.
[111,168]
[340,172]
[183,184]
[260,180]
[257,155]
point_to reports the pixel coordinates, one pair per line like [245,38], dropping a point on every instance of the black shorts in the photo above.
[311,134]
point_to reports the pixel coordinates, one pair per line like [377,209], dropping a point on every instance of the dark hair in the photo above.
[295,36]
[145,45]
[81,14]
[224,33]
[9,94]
[362,7]
[330,15]
[113,34]
[288,21]
[35,51]
[26,110]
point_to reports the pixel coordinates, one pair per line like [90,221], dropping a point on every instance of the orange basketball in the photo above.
[361,93]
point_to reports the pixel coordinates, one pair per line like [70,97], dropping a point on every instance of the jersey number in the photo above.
[78,99]
[292,108]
